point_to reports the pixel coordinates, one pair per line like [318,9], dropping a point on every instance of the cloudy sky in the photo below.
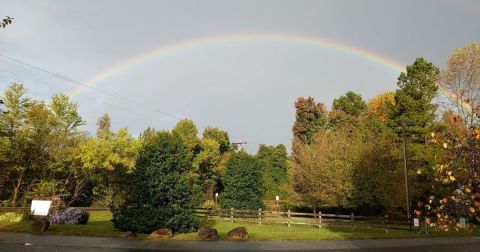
[246,84]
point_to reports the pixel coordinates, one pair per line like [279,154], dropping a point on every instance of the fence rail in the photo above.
[316,219]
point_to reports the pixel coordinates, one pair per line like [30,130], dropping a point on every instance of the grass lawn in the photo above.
[99,225]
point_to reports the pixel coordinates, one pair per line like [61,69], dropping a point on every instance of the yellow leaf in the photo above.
[452,178]
[445,145]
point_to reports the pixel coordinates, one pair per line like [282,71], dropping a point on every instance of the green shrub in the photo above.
[157,193]
[13,217]
[243,183]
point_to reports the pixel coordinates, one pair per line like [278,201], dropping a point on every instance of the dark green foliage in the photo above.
[310,117]
[413,100]
[351,103]
[414,103]
[242,181]
[273,161]
[157,193]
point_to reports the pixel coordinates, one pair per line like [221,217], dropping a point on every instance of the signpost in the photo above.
[277,198]
[40,207]
[416,222]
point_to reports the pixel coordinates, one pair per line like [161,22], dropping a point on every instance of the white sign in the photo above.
[40,207]
[277,198]
[216,194]
[416,222]
[463,223]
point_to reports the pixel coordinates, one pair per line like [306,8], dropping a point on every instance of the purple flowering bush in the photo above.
[69,217]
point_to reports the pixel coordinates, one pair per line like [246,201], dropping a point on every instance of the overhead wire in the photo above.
[100,90]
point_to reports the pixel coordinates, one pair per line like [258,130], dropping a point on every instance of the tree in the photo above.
[104,126]
[6,21]
[206,164]
[38,145]
[413,99]
[273,162]
[351,103]
[414,102]
[380,107]
[310,118]
[461,80]
[187,131]
[108,159]
[218,135]
[242,181]
[157,193]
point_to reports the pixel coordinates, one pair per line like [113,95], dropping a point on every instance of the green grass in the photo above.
[99,225]
[301,232]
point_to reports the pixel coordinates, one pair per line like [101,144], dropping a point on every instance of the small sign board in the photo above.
[463,223]
[277,198]
[40,207]
[416,222]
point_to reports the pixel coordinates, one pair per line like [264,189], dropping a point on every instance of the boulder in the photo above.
[207,233]
[129,234]
[162,233]
[40,225]
[238,234]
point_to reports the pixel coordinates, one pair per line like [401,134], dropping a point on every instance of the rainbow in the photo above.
[243,37]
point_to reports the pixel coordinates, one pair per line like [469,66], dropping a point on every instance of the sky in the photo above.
[236,65]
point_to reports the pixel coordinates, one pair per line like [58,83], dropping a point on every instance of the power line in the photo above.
[95,89]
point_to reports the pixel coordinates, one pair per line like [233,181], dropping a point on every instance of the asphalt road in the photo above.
[29,242]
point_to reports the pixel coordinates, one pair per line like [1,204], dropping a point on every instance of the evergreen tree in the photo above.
[243,183]
[157,193]
[413,99]
[310,117]
[351,103]
[414,103]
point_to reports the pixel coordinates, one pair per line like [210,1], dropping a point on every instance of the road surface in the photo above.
[30,242]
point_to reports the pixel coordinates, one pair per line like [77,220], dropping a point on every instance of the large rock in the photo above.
[40,225]
[162,233]
[238,234]
[129,234]
[207,233]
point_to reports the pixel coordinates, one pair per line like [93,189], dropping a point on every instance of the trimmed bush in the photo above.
[69,217]
[158,193]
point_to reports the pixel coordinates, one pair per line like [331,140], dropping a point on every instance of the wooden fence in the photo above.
[315,219]
[288,218]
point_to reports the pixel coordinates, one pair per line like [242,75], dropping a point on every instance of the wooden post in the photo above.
[386,223]
[352,218]
[260,216]
[288,215]
[231,214]
[319,219]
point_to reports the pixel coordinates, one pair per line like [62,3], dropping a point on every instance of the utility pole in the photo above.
[407,198]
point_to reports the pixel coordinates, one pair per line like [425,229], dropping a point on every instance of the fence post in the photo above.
[319,219]
[352,218]
[260,216]
[385,223]
[231,214]
[288,215]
